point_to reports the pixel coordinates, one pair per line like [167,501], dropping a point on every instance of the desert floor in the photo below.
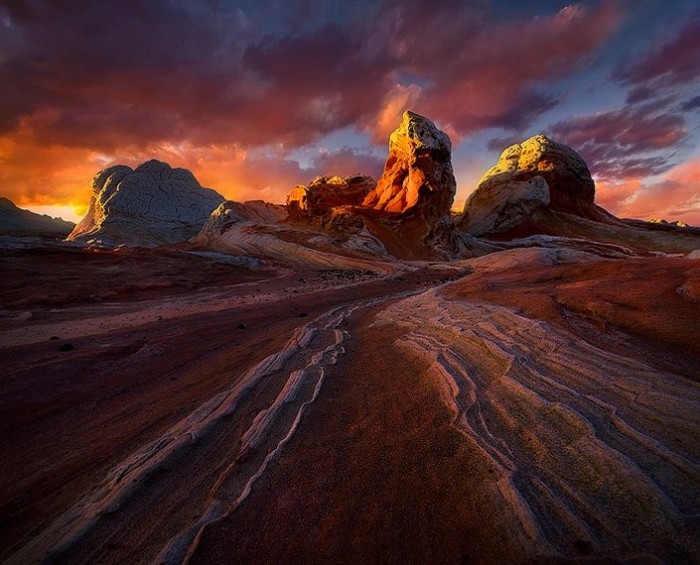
[532,405]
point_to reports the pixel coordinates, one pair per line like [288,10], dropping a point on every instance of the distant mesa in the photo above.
[15,221]
[677,223]
[151,205]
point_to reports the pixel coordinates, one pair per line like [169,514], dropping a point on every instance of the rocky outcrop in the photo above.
[676,223]
[15,221]
[151,205]
[320,196]
[418,175]
[536,174]
[514,188]
[257,229]
[230,213]
[406,212]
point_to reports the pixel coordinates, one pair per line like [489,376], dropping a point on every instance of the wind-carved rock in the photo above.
[418,174]
[149,206]
[536,174]
[407,210]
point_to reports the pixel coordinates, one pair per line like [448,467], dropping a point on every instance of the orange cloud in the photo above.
[675,197]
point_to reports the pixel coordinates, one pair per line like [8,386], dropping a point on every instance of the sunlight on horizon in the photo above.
[69,213]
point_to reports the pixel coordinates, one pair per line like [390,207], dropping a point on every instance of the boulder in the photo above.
[418,176]
[15,221]
[151,205]
[515,187]
[321,195]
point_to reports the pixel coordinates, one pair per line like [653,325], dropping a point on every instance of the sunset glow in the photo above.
[254,104]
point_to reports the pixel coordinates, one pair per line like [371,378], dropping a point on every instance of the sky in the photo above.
[257,96]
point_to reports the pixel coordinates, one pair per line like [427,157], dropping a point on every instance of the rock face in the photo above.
[230,213]
[505,206]
[307,202]
[18,222]
[406,212]
[537,173]
[418,173]
[151,205]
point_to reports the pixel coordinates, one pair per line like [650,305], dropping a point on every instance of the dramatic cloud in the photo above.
[485,76]
[691,104]
[93,75]
[237,91]
[675,197]
[674,61]
[624,144]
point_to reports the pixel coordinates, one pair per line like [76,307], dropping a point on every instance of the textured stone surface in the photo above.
[504,206]
[316,199]
[570,184]
[151,205]
[418,173]
[257,229]
[19,222]
[406,212]
[230,213]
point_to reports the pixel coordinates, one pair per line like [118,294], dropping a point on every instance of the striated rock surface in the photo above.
[418,173]
[18,222]
[151,205]
[257,229]
[230,213]
[320,196]
[537,403]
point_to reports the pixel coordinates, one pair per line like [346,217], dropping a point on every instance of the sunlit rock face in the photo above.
[406,212]
[307,202]
[535,174]
[18,222]
[151,205]
[418,173]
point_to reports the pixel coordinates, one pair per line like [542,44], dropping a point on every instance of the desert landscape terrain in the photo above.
[359,375]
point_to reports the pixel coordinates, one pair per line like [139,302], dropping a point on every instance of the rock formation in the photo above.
[15,221]
[536,174]
[312,201]
[407,211]
[418,173]
[230,213]
[542,188]
[151,205]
